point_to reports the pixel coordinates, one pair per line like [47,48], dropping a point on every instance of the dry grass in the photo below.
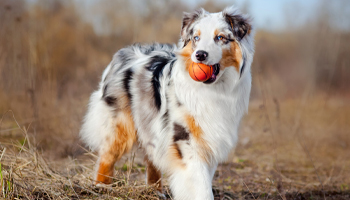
[294,142]
[286,153]
[25,174]
[282,154]
[51,59]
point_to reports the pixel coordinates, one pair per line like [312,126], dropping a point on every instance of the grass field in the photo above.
[294,142]
[287,150]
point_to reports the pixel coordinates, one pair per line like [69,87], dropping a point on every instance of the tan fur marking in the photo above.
[123,142]
[198,33]
[126,131]
[186,54]
[175,156]
[216,32]
[194,128]
[104,173]
[232,56]
[205,152]
[153,175]
[231,23]
[249,30]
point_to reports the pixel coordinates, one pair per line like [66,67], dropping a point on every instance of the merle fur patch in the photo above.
[156,65]
[239,25]
[121,59]
[180,133]
[126,82]
[188,22]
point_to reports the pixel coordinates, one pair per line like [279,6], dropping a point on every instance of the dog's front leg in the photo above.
[193,182]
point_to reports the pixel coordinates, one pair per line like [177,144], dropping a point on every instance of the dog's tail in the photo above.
[98,122]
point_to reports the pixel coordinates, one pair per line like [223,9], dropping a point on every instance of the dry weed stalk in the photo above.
[24,173]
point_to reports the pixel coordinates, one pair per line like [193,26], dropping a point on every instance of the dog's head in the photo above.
[215,39]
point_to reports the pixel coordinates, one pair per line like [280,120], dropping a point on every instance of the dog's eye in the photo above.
[196,38]
[219,37]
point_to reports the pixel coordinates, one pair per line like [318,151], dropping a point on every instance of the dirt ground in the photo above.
[294,143]
[287,150]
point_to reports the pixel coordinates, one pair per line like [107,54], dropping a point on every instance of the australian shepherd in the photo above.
[185,127]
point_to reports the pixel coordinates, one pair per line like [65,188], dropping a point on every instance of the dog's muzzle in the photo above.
[214,75]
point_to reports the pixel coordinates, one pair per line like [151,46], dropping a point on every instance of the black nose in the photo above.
[201,55]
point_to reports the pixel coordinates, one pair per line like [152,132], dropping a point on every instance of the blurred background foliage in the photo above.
[53,52]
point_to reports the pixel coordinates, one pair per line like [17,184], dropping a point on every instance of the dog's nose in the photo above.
[201,55]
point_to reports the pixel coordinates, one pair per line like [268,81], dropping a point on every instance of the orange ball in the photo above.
[200,71]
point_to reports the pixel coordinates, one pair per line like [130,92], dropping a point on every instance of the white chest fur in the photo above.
[216,108]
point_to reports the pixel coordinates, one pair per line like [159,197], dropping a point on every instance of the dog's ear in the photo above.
[239,24]
[188,23]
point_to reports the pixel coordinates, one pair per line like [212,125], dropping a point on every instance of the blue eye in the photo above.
[219,37]
[196,38]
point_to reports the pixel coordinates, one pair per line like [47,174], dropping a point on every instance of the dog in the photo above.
[185,127]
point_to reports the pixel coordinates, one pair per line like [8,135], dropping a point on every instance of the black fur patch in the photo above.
[126,82]
[243,65]
[110,100]
[157,65]
[171,67]
[238,25]
[165,118]
[180,133]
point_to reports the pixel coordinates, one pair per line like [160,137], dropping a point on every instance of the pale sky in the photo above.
[271,14]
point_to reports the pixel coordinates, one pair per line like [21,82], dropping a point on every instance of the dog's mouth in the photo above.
[214,75]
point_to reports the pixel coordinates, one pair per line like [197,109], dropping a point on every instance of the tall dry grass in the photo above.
[52,55]
[51,59]
[26,174]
